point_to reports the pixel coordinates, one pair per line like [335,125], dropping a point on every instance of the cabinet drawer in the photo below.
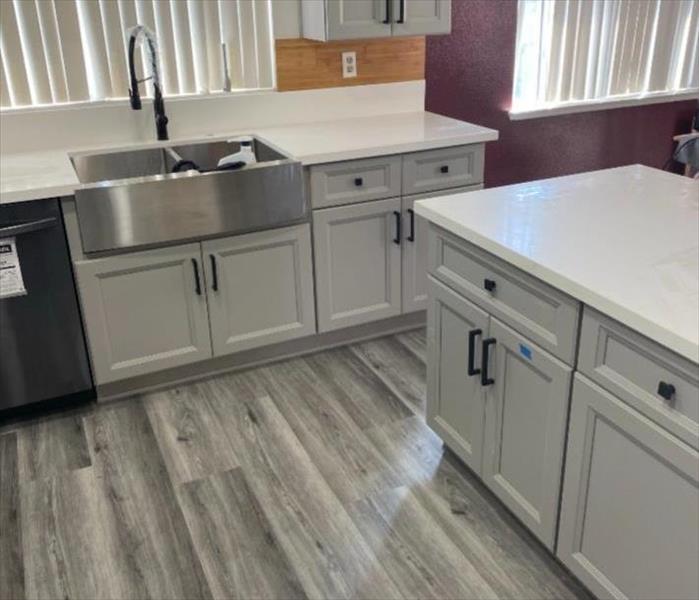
[352,181]
[442,169]
[536,310]
[633,367]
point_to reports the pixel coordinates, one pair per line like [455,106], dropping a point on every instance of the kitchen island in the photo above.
[563,351]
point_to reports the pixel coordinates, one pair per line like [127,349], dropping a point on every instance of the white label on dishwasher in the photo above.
[11,282]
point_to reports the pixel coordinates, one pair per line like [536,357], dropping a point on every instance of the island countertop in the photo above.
[624,241]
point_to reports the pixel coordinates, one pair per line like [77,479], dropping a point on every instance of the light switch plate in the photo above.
[349,64]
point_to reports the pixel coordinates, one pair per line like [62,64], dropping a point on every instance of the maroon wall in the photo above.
[469,76]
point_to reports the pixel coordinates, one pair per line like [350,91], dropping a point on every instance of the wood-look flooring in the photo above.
[315,477]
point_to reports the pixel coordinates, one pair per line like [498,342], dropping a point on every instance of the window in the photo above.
[586,53]
[56,51]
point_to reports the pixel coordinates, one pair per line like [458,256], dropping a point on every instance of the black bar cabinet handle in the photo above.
[401,14]
[411,237]
[396,214]
[471,367]
[387,20]
[214,272]
[485,379]
[197,282]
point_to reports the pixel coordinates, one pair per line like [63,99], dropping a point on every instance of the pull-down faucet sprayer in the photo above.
[158,104]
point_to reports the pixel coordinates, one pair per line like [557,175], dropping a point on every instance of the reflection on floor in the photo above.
[313,477]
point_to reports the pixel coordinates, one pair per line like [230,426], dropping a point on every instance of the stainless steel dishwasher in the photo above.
[42,346]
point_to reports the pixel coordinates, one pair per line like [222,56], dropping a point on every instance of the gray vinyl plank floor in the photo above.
[314,477]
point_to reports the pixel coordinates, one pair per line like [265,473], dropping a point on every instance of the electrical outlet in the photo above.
[349,64]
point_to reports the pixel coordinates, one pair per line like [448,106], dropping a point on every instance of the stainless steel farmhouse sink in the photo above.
[133,198]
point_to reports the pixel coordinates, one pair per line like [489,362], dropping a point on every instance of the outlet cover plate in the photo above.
[349,64]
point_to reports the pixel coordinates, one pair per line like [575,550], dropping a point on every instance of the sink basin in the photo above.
[133,199]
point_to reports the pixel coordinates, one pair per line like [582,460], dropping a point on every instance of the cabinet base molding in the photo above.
[259,356]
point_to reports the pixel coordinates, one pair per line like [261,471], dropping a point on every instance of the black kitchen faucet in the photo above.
[158,104]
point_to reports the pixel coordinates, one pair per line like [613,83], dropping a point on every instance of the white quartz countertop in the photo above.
[624,241]
[34,175]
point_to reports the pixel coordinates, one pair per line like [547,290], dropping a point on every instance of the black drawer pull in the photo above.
[396,214]
[214,273]
[444,169]
[197,282]
[489,284]
[666,391]
[358,181]
[485,379]
[471,368]
[411,236]
[387,20]
[401,14]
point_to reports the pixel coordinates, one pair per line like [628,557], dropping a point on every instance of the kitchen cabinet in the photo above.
[144,311]
[156,309]
[260,288]
[421,17]
[525,428]
[630,508]
[351,181]
[414,249]
[456,407]
[500,403]
[357,252]
[327,20]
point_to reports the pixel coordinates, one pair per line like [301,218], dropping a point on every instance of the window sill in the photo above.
[605,104]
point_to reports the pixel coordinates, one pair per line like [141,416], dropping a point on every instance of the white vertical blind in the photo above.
[111,24]
[230,31]
[55,51]
[214,59]
[166,41]
[183,52]
[72,49]
[52,51]
[570,51]
[33,51]
[12,59]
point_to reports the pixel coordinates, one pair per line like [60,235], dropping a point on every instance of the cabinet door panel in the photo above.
[455,400]
[422,17]
[414,258]
[351,19]
[264,289]
[357,263]
[142,312]
[630,509]
[526,414]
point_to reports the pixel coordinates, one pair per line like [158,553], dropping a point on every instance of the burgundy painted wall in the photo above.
[469,76]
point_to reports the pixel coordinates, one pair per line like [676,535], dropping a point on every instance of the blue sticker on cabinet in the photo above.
[525,351]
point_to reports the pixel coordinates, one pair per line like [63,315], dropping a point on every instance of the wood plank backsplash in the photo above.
[306,64]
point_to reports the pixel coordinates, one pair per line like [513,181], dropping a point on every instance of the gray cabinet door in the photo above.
[357,263]
[144,311]
[630,510]
[414,258]
[526,413]
[455,400]
[260,288]
[421,17]
[352,19]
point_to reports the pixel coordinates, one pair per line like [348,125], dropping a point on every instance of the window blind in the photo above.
[570,51]
[56,51]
